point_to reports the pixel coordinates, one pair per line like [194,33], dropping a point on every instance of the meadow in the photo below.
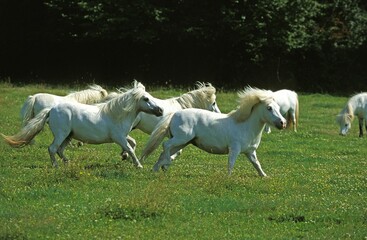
[316,189]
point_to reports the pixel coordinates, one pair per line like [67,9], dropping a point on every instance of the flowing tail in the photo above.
[29,131]
[26,112]
[161,131]
[293,122]
[297,115]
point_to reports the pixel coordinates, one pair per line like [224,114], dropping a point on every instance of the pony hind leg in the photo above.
[294,121]
[57,146]
[170,147]
[132,142]
[255,162]
[62,147]
[360,121]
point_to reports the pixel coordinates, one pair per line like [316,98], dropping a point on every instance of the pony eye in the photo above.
[346,125]
[146,99]
[269,108]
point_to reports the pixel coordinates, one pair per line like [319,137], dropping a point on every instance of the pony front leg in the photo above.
[123,142]
[232,156]
[253,159]
[267,129]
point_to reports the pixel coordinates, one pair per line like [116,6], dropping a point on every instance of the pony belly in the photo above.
[91,134]
[91,139]
[210,148]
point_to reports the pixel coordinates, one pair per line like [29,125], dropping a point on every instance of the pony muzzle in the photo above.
[158,112]
[282,124]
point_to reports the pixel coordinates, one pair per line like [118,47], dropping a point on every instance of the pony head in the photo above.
[202,97]
[254,97]
[345,119]
[134,100]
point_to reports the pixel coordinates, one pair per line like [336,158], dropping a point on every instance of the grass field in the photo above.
[316,189]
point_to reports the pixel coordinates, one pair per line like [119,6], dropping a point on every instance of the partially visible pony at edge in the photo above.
[37,102]
[356,106]
[289,107]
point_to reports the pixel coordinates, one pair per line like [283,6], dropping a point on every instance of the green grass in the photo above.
[316,189]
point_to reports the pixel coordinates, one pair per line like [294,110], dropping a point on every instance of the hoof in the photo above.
[124,156]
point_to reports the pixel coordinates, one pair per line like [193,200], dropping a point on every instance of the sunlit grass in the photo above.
[316,188]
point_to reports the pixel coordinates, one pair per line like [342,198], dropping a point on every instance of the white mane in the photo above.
[89,96]
[248,98]
[203,95]
[125,102]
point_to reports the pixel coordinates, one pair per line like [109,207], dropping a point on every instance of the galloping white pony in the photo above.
[95,124]
[234,133]
[202,97]
[36,103]
[289,107]
[356,106]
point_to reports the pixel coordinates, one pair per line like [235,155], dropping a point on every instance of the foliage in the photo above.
[310,45]
[256,26]
[316,188]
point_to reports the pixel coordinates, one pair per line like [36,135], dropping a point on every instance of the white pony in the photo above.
[234,133]
[36,103]
[202,97]
[356,106]
[289,107]
[95,124]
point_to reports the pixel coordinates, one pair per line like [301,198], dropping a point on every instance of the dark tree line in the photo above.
[307,45]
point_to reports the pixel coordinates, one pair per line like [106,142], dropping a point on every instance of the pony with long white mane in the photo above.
[37,102]
[237,132]
[202,97]
[95,124]
[356,106]
[289,107]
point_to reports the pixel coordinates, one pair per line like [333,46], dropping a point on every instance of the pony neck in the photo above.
[185,101]
[121,107]
[253,122]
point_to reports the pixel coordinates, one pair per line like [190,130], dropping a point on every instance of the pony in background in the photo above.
[202,97]
[356,106]
[289,107]
[36,103]
[234,133]
[95,124]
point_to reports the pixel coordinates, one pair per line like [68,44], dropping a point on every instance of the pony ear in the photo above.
[137,84]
